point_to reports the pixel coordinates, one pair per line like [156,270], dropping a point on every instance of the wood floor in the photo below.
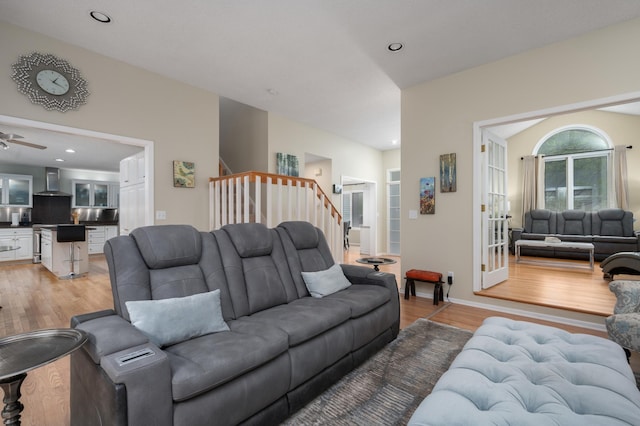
[34,299]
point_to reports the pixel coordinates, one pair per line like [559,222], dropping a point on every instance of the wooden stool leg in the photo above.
[406,287]
[435,294]
[413,288]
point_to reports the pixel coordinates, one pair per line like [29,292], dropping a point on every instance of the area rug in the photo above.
[388,388]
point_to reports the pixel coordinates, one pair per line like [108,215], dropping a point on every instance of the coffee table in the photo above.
[376,261]
[24,352]
[588,247]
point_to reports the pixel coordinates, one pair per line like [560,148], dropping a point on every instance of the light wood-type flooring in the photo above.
[32,298]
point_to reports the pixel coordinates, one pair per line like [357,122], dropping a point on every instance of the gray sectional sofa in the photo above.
[609,230]
[271,349]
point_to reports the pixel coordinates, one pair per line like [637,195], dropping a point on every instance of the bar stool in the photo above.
[71,234]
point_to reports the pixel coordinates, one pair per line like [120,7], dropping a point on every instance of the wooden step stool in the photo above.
[413,275]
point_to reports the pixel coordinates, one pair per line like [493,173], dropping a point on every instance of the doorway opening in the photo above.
[509,128]
[359,207]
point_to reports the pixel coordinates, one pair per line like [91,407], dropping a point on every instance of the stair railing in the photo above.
[271,199]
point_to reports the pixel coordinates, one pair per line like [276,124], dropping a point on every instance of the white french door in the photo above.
[495,227]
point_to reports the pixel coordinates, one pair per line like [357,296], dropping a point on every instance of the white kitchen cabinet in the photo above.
[16,190]
[56,256]
[132,170]
[21,240]
[96,194]
[110,231]
[96,236]
[132,193]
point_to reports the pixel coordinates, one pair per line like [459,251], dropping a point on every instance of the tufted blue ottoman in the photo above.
[519,373]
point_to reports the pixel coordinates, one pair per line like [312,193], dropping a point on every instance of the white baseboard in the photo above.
[521,312]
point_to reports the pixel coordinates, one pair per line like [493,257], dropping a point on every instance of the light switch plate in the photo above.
[161,215]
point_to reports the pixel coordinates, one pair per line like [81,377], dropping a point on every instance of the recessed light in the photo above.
[70,150]
[100,17]
[395,47]
[394,142]
[59,160]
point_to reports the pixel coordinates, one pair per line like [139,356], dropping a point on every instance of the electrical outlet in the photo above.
[161,215]
[450,277]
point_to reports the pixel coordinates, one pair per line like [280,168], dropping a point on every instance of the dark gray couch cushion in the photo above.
[304,318]
[362,298]
[540,221]
[209,361]
[250,239]
[574,222]
[152,241]
[613,222]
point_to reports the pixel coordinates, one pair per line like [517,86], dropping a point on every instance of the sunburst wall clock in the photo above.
[50,81]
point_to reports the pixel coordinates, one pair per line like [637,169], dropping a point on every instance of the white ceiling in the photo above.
[320,62]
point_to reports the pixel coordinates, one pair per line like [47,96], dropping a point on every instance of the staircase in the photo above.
[271,199]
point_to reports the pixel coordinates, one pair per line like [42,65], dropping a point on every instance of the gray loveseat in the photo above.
[609,230]
[281,347]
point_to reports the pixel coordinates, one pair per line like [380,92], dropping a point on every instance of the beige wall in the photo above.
[324,179]
[438,116]
[181,120]
[243,137]
[347,159]
[622,129]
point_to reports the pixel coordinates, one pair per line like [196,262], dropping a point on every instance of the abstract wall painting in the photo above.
[287,164]
[184,174]
[428,195]
[448,180]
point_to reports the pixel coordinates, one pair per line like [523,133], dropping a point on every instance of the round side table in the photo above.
[24,352]
[376,261]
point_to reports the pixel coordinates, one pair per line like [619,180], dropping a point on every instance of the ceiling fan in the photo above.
[13,138]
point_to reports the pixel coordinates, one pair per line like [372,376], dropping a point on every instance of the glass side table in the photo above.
[24,352]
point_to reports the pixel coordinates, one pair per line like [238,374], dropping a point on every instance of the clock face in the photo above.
[52,82]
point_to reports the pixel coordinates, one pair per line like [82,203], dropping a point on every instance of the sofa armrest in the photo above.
[108,333]
[365,275]
[516,234]
[127,357]
[627,296]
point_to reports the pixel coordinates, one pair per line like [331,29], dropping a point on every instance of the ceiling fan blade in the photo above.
[29,144]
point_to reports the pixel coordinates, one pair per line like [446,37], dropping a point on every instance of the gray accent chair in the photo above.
[609,230]
[625,262]
[283,347]
[623,326]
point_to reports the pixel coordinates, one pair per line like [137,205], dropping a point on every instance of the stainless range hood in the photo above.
[52,183]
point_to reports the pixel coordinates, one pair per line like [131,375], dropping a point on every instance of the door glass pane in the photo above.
[100,195]
[19,192]
[555,185]
[590,183]
[82,191]
[356,209]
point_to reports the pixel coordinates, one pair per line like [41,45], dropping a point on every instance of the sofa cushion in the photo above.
[324,283]
[250,239]
[362,298]
[540,221]
[209,361]
[152,241]
[170,321]
[304,318]
[613,222]
[573,222]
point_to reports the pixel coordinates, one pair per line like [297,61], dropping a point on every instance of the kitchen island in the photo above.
[56,256]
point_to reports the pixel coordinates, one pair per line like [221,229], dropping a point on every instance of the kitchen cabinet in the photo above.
[96,194]
[21,240]
[98,235]
[16,190]
[132,193]
[56,256]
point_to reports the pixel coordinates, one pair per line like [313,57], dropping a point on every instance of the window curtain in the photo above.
[621,187]
[533,190]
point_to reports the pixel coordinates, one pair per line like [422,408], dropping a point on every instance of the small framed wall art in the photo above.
[428,195]
[184,174]
[448,179]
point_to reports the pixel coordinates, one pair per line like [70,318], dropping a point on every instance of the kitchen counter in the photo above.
[56,256]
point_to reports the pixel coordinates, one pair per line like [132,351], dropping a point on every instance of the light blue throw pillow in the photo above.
[323,283]
[170,321]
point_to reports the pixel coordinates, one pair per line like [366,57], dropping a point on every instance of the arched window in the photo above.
[576,168]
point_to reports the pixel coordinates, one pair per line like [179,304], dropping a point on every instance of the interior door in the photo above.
[368,231]
[495,227]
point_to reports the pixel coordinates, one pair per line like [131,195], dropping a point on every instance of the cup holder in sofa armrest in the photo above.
[134,356]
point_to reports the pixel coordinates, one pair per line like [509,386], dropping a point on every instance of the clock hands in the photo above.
[58,84]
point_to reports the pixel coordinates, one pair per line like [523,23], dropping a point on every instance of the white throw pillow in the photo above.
[323,283]
[170,321]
